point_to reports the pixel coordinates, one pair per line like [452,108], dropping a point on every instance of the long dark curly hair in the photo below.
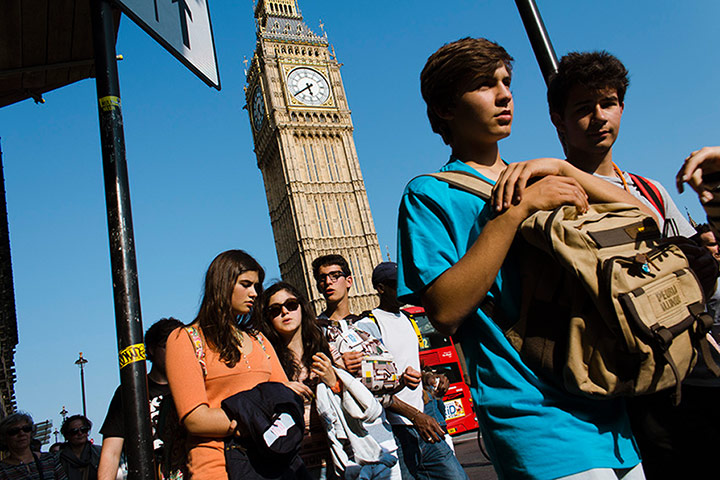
[216,318]
[313,340]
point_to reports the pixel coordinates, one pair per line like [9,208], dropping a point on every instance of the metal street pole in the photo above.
[81,363]
[128,321]
[539,38]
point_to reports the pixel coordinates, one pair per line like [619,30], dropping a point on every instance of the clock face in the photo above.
[308,86]
[258,108]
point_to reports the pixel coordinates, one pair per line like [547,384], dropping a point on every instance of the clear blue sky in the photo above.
[195,186]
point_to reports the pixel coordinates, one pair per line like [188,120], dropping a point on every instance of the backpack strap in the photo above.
[369,314]
[197,342]
[650,192]
[464,181]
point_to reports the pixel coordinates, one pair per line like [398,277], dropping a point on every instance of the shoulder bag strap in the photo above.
[417,330]
[197,342]
[38,465]
[464,181]
[650,192]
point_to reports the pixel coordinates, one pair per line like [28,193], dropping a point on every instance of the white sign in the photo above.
[183,28]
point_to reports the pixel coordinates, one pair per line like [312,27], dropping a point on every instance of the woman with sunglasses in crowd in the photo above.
[285,317]
[232,357]
[20,462]
[78,456]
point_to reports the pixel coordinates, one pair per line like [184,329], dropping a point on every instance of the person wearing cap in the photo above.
[423,453]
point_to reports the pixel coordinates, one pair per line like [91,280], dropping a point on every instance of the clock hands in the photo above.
[307,87]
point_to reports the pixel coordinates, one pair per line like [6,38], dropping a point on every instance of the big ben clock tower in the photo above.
[304,146]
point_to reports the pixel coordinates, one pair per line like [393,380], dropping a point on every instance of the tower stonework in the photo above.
[304,145]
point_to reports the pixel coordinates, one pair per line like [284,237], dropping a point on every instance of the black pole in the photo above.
[128,321]
[81,362]
[539,39]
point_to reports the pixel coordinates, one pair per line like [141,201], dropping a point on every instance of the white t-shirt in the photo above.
[671,210]
[399,337]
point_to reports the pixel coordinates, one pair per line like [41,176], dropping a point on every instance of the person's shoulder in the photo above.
[426,183]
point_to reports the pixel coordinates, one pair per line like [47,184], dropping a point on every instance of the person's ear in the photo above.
[380,288]
[349,281]
[446,112]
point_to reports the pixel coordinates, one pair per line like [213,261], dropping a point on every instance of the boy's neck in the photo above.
[339,310]
[158,376]
[484,158]
[590,162]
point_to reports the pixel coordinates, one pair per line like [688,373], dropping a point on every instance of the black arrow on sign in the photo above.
[185,12]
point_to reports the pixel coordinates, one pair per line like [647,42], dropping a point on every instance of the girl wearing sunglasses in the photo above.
[286,318]
[21,463]
[217,356]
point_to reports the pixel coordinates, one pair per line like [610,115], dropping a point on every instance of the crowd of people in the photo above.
[259,386]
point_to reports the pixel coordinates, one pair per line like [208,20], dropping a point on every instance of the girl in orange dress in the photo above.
[231,358]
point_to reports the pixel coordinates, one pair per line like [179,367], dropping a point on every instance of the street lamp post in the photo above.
[64,413]
[81,362]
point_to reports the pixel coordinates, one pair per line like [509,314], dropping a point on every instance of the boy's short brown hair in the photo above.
[457,68]
[592,70]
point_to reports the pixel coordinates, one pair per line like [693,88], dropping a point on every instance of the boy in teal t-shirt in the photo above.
[453,252]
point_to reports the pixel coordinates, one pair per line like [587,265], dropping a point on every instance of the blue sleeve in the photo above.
[432,235]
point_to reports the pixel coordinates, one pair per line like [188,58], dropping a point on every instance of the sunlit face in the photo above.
[77,432]
[18,436]
[591,119]
[244,292]
[333,283]
[483,115]
[285,314]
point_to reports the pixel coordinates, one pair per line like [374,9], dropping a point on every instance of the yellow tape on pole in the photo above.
[132,354]
[109,102]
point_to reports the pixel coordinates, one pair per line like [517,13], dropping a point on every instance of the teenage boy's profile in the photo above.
[453,252]
[586,98]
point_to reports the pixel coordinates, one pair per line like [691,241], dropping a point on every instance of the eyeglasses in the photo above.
[75,431]
[332,276]
[16,430]
[276,309]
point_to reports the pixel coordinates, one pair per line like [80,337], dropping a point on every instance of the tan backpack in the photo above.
[607,309]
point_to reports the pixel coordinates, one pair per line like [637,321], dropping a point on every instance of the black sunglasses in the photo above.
[75,431]
[276,309]
[15,430]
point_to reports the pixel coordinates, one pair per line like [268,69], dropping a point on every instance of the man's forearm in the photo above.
[461,288]
[110,458]
[402,408]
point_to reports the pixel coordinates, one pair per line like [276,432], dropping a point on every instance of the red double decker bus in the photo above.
[439,354]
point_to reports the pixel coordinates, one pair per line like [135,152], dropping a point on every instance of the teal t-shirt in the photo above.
[533,430]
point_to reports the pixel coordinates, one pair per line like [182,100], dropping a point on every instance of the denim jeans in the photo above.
[421,460]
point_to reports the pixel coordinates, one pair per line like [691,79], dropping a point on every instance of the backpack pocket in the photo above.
[655,297]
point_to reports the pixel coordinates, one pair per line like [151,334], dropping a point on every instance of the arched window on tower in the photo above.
[329,166]
[347,215]
[342,220]
[307,163]
[319,220]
